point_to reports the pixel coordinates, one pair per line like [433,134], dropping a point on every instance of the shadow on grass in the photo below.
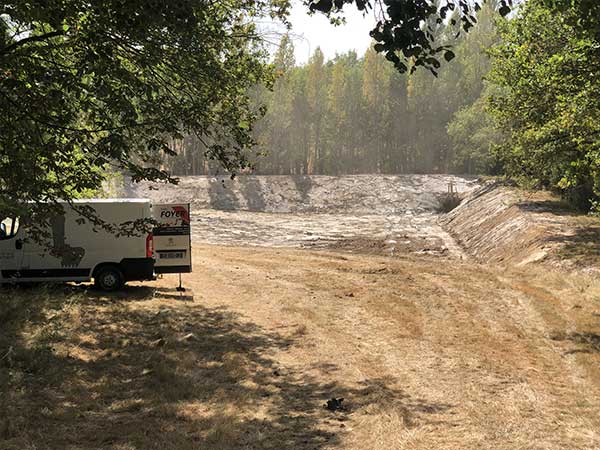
[582,245]
[92,371]
[589,342]
[556,207]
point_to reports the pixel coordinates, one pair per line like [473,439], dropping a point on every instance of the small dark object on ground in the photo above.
[336,404]
[158,343]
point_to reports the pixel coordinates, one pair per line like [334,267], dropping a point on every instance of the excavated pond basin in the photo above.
[366,213]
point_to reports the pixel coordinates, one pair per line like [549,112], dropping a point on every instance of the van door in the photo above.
[172,238]
[11,248]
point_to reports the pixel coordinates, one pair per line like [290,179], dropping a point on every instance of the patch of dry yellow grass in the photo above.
[425,355]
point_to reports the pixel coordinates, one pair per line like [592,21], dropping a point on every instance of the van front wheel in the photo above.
[109,278]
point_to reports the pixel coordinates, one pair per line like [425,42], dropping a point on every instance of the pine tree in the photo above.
[316,90]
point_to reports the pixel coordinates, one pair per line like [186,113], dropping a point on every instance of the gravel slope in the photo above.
[349,194]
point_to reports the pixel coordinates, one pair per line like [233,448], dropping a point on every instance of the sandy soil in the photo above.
[426,353]
[347,194]
[376,214]
[374,233]
[344,287]
[511,226]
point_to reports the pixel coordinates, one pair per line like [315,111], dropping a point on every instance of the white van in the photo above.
[78,250]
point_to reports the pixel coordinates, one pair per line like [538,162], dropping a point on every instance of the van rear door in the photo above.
[172,238]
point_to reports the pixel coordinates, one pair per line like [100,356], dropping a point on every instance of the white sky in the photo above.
[310,32]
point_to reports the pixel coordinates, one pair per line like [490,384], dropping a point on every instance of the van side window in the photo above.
[9,228]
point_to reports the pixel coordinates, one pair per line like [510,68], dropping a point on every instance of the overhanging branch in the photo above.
[27,40]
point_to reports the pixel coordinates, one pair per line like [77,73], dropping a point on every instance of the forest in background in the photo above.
[357,114]
[520,98]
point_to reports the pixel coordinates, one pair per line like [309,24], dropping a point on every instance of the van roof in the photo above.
[113,200]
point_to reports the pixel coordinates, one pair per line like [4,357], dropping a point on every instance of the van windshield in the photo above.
[9,228]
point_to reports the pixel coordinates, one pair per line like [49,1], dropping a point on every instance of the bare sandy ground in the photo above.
[374,233]
[381,214]
[346,194]
[426,353]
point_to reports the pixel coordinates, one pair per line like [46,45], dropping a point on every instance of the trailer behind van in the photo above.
[79,251]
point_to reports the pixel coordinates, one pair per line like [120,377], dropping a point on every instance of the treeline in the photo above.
[357,114]
[521,98]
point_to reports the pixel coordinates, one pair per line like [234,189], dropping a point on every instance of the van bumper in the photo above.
[138,269]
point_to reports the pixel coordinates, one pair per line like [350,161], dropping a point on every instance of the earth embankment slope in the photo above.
[385,214]
[501,224]
[348,194]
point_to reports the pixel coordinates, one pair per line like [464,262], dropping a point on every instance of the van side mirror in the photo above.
[18,244]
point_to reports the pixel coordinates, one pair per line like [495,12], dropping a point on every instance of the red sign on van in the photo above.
[173,220]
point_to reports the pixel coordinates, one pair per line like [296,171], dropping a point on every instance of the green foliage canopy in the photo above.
[473,133]
[547,69]
[90,87]
[357,114]
[406,30]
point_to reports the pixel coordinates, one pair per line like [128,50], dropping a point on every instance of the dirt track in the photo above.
[426,354]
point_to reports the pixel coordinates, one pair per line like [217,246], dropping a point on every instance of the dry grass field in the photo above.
[426,352]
